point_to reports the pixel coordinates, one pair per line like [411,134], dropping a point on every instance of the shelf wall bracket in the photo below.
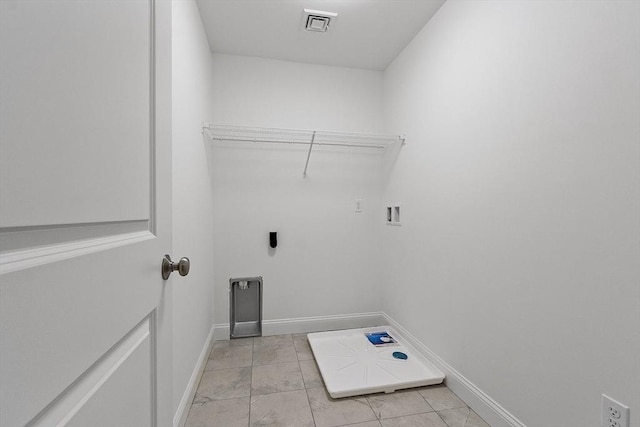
[306,165]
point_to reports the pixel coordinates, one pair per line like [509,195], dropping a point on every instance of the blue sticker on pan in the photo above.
[400,355]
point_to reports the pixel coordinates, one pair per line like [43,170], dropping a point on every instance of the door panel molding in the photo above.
[71,401]
[22,238]
[20,260]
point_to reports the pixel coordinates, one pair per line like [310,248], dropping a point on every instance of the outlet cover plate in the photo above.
[614,413]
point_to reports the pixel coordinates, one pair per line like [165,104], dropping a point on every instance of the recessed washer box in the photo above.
[351,365]
[245,307]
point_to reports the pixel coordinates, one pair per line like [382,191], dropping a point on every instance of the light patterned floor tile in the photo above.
[299,337]
[462,417]
[220,413]
[224,384]
[273,340]
[266,355]
[441,398]
[430,419]
[311,374]
[287,409]
[329,412]
[276,378]
[232,343]
[397,404]
[230,357]
[367,424]
[303,350]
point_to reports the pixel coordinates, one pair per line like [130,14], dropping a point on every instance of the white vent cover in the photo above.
[317,20]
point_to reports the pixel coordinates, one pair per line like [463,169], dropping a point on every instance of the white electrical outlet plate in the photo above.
[614,413]
[358,205]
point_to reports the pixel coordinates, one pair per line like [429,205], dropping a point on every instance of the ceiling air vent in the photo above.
[317,20]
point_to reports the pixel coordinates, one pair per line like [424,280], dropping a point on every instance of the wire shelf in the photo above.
[299,136]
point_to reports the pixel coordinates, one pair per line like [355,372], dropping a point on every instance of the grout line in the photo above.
[253,343]
[209,400]
[362,422]
[366,399]
[401,416]
[275,392]
[313,417]
[443,420]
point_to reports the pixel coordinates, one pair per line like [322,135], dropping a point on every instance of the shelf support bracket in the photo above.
[306,165]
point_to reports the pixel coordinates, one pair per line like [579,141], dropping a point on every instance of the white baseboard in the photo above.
[477,400]
[310,324]
[180,417]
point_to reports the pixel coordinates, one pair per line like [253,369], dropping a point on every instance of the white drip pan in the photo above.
[351,365]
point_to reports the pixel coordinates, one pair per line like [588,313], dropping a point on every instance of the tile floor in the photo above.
[274,381]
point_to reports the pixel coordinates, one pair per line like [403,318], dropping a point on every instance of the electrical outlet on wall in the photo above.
[614,414]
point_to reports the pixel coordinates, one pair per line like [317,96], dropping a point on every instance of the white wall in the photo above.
[517,261]
[192,201]
[325,263]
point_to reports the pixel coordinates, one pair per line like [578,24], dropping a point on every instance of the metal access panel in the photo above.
[245,298]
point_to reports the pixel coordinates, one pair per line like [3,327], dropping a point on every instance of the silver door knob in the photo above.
[169,266]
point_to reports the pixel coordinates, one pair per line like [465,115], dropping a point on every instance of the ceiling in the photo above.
[366,34]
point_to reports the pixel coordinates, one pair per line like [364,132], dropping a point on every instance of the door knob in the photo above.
[169,266]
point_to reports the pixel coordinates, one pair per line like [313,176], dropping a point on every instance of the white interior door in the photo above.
[85,193]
